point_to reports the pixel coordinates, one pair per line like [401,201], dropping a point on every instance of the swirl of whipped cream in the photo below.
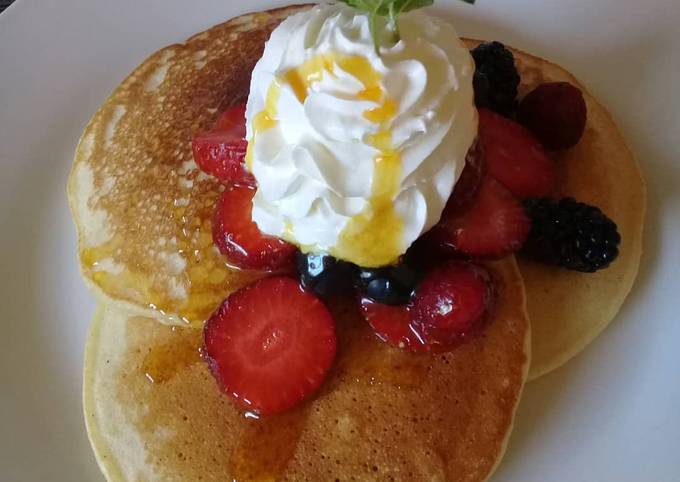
[355,152]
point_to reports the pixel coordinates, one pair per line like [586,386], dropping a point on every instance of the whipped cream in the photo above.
[356,153]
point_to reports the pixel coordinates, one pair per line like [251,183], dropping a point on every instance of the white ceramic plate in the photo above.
[613,413]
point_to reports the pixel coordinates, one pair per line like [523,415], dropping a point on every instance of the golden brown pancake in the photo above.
[154,412]
[143,209]
[569,309]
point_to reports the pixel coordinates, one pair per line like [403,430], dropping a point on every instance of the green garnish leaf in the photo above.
[382,15]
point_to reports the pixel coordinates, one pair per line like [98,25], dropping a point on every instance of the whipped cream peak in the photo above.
[356,153]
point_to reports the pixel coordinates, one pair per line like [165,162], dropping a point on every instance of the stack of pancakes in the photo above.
[143,213]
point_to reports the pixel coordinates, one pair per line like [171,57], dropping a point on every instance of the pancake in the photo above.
[141,207]
[382,414]
[143,210]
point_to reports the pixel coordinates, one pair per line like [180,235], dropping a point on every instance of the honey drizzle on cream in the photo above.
[264,120]
[374,236]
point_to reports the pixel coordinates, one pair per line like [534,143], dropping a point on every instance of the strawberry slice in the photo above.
[221,151]
[467,185]
[270,345]
[493,227]
[240,240]
[451,305]
[392,324]
[428,250]
[515,157]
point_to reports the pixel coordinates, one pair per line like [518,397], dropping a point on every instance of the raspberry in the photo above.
[556,114]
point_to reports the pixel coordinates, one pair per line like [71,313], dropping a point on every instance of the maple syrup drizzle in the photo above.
[162,362]
[267,445]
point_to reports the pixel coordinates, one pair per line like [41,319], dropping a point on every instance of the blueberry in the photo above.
[392,285]
[323,274]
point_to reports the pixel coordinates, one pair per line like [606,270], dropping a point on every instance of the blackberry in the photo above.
[392,285]
[570,234]
[496,78]
[323,274]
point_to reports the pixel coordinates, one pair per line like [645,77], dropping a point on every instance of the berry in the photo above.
[270,345]
[467,185]
[392,324]
[239,239]
[426,252]
[556,113]
[496,78]
[392,285]
[514,156]
[429,250]
[571,234]
[221,151]
[452,303]
[323,274]
[493,227]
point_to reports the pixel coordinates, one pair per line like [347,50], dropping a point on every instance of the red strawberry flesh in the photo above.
[467,185]
[428,250]
[221,151]
[270,345]
[452,303]
[515,157]
[493,227]
[392,324]
[239,239]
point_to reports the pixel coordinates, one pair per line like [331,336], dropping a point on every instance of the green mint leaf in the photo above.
[408,5]
[390,9]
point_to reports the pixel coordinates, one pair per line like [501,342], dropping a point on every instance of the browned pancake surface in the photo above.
[383,414]
[142,208]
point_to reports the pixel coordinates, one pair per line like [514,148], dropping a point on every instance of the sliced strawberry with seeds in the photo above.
[428,251]
[493,227]
[515,157]
[270,345]
[240,240]
[392,324]
[221,151]
[467,185]
[451,304]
